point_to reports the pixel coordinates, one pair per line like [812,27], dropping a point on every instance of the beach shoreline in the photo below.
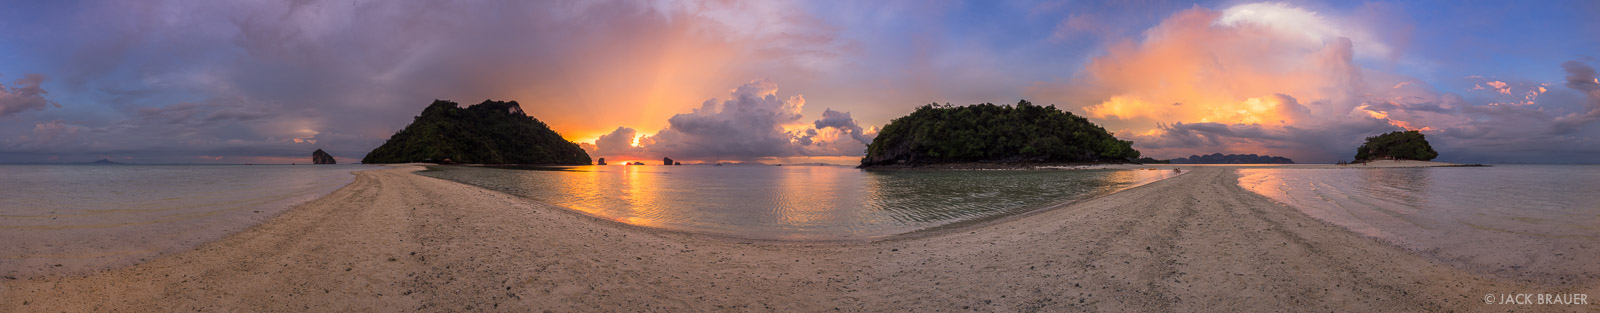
[392,240]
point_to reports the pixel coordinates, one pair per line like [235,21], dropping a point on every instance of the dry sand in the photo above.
[394,241]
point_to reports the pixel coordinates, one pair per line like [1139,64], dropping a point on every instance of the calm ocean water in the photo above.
[85,217]
[795,202]
[1539,221]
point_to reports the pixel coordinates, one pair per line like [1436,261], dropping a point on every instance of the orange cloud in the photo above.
[1511,93]
[1499,86]
[1256,78]
[1195,67]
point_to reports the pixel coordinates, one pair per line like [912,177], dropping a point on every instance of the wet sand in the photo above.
[395,241]
[1372,164]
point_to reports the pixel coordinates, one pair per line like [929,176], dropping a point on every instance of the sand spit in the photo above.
[394,241]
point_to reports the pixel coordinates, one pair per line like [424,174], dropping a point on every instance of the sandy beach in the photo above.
[394,241]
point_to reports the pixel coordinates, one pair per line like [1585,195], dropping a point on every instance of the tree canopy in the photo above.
[491,132]
[994,133]
[1398,145]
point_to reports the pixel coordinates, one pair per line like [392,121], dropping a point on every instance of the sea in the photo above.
[812,203]
[77,218]
[1532,222]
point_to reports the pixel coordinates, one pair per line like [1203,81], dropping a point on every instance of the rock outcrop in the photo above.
[666,161]
[322,157]
[602,161]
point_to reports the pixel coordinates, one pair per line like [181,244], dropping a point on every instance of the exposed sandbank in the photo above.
[395,241]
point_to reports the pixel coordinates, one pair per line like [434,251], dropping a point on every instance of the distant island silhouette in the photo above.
[1218,158]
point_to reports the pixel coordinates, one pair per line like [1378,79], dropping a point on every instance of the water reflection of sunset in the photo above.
[796,202]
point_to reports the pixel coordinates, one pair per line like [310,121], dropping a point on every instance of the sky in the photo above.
[794,81]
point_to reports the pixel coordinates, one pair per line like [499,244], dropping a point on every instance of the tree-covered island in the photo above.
[492,132]
[993,134]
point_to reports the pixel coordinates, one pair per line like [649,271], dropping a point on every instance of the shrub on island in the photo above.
[1398,145]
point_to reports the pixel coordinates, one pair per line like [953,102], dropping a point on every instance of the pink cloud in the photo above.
[24,94]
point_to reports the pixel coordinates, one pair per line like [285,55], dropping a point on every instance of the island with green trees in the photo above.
[990,135]
[492,132]
[1398,145]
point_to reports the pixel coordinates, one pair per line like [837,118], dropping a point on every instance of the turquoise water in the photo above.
[85,217]
[795,202]
[1540,221]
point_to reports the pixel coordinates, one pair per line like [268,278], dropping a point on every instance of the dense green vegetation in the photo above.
[988,133]
[1218,158]
[491,132]
[1406,145]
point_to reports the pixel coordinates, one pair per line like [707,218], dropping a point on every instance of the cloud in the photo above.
[237,130]
[750,124]
[753,123]
[1277,79]
[1236,80]
[843,122]
[1580,77]
[620,142]
[172,79]
[257,73]
[1300,144]
[1286,22]
[24,94]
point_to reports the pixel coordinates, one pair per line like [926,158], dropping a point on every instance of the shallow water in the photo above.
[71,218]
[1527,221]
[795,202]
